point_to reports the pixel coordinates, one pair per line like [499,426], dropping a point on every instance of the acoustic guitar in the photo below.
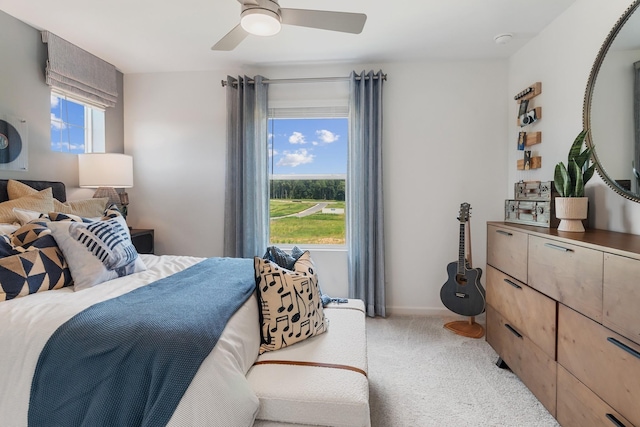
[463,293]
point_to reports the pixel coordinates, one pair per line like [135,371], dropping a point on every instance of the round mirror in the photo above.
[612,107]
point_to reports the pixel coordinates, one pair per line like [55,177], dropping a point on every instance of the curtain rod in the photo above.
[309,80]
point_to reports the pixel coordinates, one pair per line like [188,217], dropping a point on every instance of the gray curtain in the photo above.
[365,219]
[246,215]
[75,71]
[636,117]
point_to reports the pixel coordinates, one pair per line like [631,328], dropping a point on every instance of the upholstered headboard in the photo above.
[58,188]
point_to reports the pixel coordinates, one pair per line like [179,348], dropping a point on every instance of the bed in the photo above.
[41,378]
[219,393]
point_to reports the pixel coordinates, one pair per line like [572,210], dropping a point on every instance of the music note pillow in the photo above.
[290,304]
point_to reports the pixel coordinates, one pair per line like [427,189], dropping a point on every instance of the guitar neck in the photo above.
[461,251]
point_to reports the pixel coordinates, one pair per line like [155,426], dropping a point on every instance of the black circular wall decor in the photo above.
[10,142]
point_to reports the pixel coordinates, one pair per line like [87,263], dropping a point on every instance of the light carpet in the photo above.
[422,375]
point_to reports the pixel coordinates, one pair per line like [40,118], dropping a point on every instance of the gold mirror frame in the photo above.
[586,108]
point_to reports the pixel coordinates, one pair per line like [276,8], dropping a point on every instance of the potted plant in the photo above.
[569,180]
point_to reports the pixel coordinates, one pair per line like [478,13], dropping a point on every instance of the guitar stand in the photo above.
[466,328]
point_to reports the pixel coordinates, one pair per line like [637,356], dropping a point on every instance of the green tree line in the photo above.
[316,189]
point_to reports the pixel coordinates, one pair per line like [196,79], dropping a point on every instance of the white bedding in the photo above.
[219,394]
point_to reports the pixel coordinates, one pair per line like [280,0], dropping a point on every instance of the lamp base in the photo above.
[110,193]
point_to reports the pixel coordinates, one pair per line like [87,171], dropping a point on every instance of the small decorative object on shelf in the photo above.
[572,205]
[528,115]
[533,204]
[143,240]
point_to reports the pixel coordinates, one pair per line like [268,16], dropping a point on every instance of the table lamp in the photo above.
[106,172]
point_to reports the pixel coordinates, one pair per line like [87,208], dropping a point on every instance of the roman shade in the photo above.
[77,72]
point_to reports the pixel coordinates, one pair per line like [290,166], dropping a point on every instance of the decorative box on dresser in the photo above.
[563,312]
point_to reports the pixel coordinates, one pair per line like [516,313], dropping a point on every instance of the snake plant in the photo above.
[570,180]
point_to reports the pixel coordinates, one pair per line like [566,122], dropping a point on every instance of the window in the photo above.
[308,169]
[76,127]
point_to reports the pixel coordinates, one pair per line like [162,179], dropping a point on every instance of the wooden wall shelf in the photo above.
[530,92]
[536,163]
[532,138]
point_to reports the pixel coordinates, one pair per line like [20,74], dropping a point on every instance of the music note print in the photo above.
[306,323]
[282,319]
[282,298]
[311,310]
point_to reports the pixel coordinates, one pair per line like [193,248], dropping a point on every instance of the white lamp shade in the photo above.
[260,22]
[105,170]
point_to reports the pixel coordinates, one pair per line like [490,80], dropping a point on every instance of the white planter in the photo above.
[571,211]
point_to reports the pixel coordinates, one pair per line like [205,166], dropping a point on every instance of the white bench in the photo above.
[321,381]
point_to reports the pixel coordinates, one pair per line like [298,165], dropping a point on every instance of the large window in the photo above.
[76,127]
[308,169]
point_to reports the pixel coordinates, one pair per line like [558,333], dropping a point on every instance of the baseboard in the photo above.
[418,311]
[429,311]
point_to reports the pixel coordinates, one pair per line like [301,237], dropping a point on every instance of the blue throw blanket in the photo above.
[127,361]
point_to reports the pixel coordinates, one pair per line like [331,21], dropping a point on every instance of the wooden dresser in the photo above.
[563,312]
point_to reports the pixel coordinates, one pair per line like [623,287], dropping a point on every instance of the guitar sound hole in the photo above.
[461,279]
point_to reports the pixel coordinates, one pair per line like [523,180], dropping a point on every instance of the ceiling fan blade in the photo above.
[231,39]
[345,22]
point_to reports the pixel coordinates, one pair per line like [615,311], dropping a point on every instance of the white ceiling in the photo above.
[141,36]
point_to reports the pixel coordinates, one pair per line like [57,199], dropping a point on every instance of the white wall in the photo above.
[444,136]
[450,136]
[175,127]
[561,58]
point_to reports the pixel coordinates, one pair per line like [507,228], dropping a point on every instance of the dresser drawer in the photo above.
[620,296]
[578,406]
[507,251]
[532,365]
[604,361]
[527,310]
[567,273]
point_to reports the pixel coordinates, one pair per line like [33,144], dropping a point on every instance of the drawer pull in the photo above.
[506,233]
[558,248]
[513,331]
[624,347]
[515,285]
[615,421]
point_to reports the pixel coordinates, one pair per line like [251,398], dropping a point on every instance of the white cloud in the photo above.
[56,123]
[54,101]
[327,136]
[295,158]
[297,138]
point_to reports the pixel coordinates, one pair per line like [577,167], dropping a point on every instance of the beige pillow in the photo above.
[41,201]
[89,208]
[86,208]
[17,189]
[291,308]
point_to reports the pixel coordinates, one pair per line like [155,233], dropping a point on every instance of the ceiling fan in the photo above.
[264,18]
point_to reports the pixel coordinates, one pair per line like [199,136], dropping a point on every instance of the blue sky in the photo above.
[67,126]
[308,146]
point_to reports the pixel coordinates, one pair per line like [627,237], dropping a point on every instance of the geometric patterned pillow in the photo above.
[97,251]
[290,304]
[36,263]
[59,216]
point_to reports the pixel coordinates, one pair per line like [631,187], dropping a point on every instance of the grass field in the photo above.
[319,228]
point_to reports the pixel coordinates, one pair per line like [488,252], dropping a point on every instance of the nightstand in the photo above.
[142,239]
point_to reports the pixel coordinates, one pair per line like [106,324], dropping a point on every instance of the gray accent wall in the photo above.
[24,95]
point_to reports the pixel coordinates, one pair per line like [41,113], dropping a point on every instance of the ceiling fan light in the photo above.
[260,22]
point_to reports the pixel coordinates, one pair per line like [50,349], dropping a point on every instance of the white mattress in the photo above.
[219,394]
